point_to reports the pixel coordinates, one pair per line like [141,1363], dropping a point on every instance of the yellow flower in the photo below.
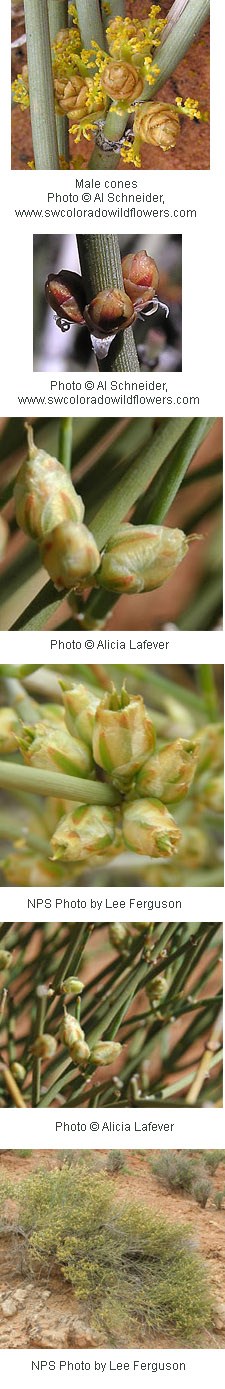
[191,108]
[130,153]
[20,93]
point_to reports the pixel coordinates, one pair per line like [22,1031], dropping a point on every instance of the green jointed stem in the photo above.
[179,39]
[58,19]
[90,22]
[39,1027]
[114,127]
[42,107]
[13,777]
[209,691]
[65,443]
[136,480]
[153,507]
[100,264]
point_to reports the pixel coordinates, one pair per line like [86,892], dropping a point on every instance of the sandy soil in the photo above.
[191,79]
[45,1313]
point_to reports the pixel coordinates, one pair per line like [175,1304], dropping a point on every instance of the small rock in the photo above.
[219,1316]
[20,1294]
[9,1307]
[82,1336]
[47,1293]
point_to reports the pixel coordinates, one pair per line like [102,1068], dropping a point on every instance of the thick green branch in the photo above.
[90,22]
[16,778]
[177,40]
[58,19]
[42,107]
[100,264]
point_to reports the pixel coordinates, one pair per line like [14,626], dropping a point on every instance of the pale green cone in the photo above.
[123,736]
[87,830]
[211,795]
[169,774]
[25,869]
[72,986]
[148,828]
[18,1071]
[120,937]
[71,1031]
[44,494]
[70,555]
[80,1053]
[43,747]
[80,708]
[5,959]
[156,990]
[9,728]
[210,747]
[44,1046]
[104,1053]
[138,559]
[194,847]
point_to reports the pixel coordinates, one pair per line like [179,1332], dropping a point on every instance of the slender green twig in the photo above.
[65,443]
[13,777]
[183,28]
[58,19]
[90,22]
[136,479]
[162,491]
[42,107]
[209,690]
[42,995]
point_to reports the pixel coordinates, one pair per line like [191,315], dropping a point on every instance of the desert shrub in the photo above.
[133,1269]
[219,1199]
[174,1170]
[201,1189]
[213,1159]
[115,1162]
[24,1152]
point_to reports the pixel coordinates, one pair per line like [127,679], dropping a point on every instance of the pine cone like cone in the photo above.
[122,81]
[157,123]
[72,96]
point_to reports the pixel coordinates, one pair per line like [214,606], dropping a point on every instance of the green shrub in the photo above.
[174,1170]
[135,1271]
[201,1189]
[219,1199]
[24,1152]
[115,1162]
[213,1159]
